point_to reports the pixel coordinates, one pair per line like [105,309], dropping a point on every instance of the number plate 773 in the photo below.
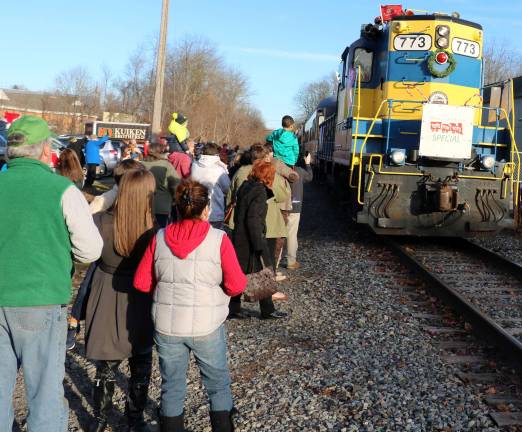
[412,42]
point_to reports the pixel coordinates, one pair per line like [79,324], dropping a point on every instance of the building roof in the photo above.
[40,101]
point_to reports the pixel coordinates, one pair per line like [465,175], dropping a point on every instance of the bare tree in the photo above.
[75,82]
[75,93]
[501,62]
[198,83]
[310,94]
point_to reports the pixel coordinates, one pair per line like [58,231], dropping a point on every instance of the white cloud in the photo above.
[291,55]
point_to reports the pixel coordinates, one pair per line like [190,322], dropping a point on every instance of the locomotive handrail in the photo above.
[514,147]
[514,150]
[513,121]
[356,123]
[390,102]
[372,172]
[384,101]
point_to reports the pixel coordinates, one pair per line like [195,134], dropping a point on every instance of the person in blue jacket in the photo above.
[284,141]
[92,157]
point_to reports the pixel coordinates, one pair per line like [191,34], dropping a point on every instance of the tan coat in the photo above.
[288,175]
[275,224]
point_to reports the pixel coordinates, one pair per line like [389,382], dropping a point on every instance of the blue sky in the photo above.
[278,45]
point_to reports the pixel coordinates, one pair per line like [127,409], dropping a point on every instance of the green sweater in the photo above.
[167,180]
[35,249]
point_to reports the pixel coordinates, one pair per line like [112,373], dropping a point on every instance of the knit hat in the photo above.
[28,130]
[179,118]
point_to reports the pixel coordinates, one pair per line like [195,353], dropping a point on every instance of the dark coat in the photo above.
[77,147]
[306,175]
[249,236]
[118,322]
[175,145]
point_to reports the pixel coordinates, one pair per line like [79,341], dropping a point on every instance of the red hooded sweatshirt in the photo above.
[182,238]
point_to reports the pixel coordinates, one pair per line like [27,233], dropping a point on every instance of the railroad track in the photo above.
[484,288]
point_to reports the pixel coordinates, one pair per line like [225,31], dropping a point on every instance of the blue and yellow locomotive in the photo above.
[408,134]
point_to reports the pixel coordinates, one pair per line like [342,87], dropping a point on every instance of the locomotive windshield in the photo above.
[364,58]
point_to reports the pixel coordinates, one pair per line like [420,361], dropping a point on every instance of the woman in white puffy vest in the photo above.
[192,270]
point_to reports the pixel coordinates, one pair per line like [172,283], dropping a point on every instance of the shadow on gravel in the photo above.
[79,379]
[78,391]
[328,221]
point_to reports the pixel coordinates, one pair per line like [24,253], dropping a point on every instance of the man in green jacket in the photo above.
[167,180]
[45,222]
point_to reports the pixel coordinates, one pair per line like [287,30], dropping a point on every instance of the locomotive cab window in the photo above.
[364,58]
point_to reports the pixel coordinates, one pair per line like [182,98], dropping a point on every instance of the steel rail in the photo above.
[482,325]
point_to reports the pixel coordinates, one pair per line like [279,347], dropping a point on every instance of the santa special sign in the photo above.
[446,132]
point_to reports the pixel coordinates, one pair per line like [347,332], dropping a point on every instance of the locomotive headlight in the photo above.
[442,36]
[398,157]
[442,42]
[488,162]
[443,31]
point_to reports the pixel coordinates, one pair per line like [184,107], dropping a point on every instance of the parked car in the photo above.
[110,155]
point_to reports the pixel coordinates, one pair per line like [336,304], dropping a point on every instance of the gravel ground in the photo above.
[350,357]
[507,243]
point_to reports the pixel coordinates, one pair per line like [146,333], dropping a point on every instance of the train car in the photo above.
[411,140]
[312,128]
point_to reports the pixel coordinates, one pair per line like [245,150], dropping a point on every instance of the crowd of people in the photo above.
[171,246]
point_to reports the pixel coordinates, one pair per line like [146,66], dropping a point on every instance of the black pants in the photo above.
[140,371]
[266,306]
[91,174]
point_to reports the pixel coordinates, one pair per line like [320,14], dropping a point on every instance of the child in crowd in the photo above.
[192,270]
[284,141]
[132,151]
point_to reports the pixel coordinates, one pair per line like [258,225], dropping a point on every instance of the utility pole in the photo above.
[160,72]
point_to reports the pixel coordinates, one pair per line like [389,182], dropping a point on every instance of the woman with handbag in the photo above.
[249,236]
[193,270]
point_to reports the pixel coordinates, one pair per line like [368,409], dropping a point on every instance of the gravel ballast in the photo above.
[350,357]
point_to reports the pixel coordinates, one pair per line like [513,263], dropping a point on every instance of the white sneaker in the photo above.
[280,277]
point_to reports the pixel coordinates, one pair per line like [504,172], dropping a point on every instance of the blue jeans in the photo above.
[210,353]
[34,338]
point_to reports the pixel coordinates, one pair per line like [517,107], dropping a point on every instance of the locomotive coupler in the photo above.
[440,196]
